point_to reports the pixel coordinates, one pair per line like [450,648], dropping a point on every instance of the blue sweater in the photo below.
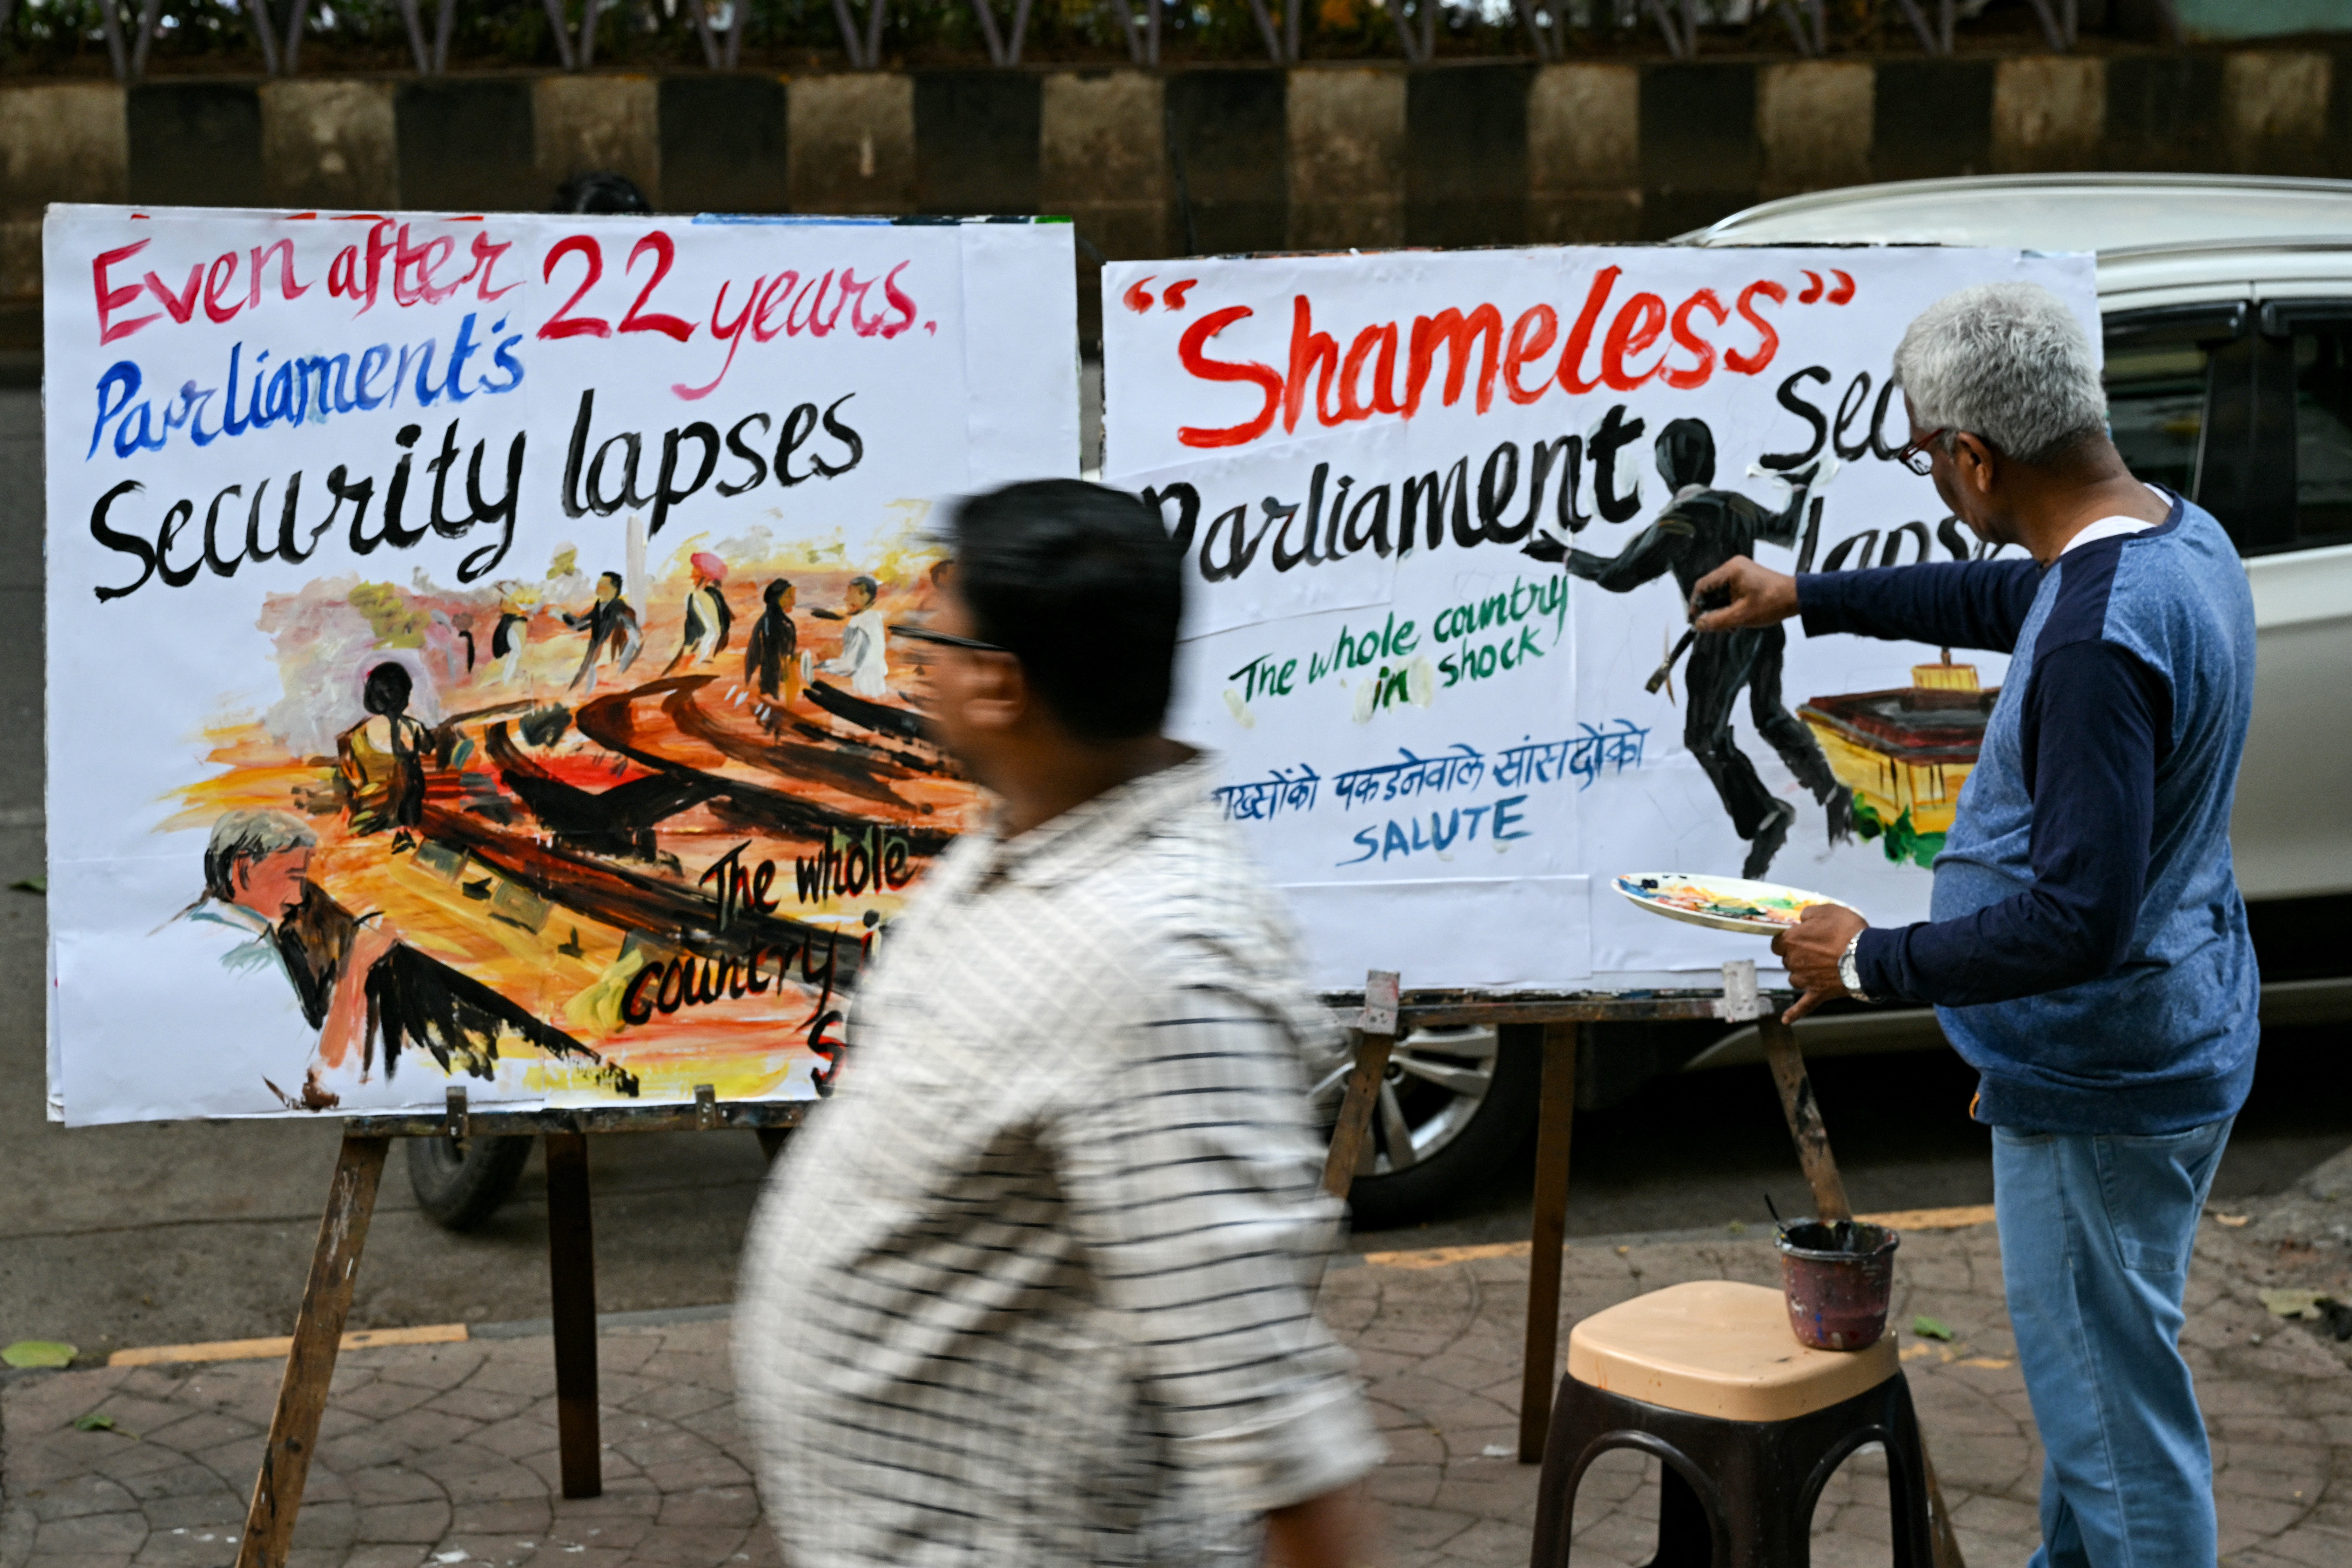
[2088,954]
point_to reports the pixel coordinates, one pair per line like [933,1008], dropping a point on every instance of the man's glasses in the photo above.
[949,639]
[1917,455]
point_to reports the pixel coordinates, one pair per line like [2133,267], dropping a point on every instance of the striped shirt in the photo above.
[1035,1286]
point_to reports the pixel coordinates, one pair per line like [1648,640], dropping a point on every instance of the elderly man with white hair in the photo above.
[2088,954]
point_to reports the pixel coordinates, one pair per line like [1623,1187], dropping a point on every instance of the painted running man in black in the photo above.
[1700,528]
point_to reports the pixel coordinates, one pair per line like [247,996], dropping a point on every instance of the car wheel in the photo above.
[1454,1104]
[460,1182]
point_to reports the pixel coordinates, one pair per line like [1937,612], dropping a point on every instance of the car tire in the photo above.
[460,1182]
[1491,1128]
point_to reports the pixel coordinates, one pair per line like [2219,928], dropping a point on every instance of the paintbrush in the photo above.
[1658,677]
[1715,600]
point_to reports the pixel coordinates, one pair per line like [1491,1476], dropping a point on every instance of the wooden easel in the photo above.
[572,1277]
[1385,1015]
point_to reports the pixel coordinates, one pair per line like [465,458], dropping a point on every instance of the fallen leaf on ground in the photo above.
[1928,1327]
[37,1353]
[100,1421]
[2234,1221]
[31,885]
[2293,1304]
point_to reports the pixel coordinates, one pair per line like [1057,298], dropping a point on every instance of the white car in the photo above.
[2227,303]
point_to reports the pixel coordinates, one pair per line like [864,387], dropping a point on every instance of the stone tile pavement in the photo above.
[446,1454]
[1437,1337]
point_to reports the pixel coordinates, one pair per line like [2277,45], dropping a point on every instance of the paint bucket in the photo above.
[1838,1280]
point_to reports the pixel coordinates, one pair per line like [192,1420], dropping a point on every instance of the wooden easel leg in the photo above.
[572,1276]
[1555,1122]
[311,1364]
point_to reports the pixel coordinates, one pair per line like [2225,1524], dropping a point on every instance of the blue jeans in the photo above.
[2095,1230]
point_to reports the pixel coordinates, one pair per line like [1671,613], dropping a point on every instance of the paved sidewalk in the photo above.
[446,1454]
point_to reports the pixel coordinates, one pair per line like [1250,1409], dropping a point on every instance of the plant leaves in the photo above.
[1928,1327]
[2301,1304]
[100,1421]
[37,1353]
[32,885]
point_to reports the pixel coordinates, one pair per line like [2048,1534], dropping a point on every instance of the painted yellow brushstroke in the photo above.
[275,1348]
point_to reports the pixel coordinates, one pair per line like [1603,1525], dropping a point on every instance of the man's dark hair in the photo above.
[601,191]
[614,578]
[388,689]
[1083,584]
[1685,453]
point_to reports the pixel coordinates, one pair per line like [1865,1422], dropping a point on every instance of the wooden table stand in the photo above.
[571,1279]
[1563,1016]
[1385,1015]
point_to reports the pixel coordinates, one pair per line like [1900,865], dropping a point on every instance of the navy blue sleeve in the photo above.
[2096,725]
[1948,603]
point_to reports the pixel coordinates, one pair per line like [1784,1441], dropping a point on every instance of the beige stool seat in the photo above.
[1718,1349]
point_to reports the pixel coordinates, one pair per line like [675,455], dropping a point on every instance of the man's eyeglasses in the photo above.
[1917,455]
[949,639]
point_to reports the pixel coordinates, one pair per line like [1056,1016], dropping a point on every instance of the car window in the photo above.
[2156,406]
[2323,433]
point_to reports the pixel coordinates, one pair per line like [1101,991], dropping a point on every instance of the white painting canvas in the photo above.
[1442,514]
[469,641]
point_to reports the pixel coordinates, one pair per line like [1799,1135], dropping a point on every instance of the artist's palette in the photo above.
[1725,903]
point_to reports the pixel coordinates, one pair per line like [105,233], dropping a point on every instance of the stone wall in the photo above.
[1158,163]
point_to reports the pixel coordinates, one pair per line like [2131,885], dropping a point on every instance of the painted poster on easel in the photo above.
[469,641]
[1442,514]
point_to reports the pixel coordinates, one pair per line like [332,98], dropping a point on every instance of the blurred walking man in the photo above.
[2088,954]
[1035,1286]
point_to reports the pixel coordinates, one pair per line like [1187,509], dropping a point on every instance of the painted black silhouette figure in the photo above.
[1700,528]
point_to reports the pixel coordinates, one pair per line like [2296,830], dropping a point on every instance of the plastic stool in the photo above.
[1749,1423]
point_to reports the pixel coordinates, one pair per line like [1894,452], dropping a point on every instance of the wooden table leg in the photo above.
[1364,1080]
[310,1363]
[572,1275]
[1555,1120]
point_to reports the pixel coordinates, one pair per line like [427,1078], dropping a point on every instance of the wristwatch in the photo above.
[1850,970]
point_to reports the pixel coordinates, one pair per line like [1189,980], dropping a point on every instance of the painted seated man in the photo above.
[865,641]
[383,757]
[250,949]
